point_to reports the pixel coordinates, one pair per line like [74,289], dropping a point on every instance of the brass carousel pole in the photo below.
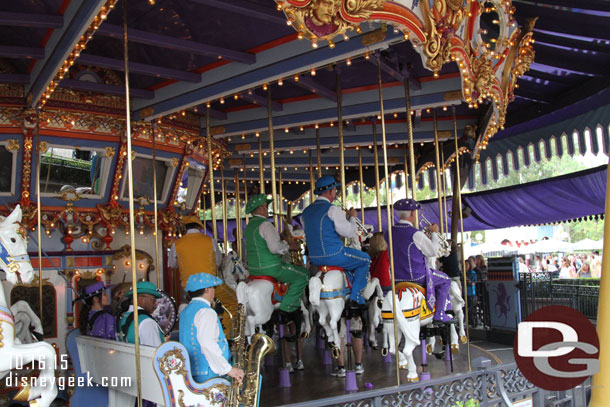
[318,153]
[272,156]
[204,217]
[389,215]
[245,181]
[457,191]
[261,168]
[132,232]
[280,198]
[225,239]
[312,179]
[411,148]
[361,183]
[155,233]
[211,175]
[38,212]
[341,145]
[444,191]
[438,174]
[406,173]
[237,214]
[377,181]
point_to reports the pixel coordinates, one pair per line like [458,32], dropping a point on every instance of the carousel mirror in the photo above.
[7,169]
[490,26]
[67,168]
[143,176]
[191,184]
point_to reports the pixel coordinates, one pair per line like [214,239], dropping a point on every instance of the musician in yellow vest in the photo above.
[197,253]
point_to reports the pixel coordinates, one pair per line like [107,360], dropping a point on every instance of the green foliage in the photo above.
[588,229]
[468,403]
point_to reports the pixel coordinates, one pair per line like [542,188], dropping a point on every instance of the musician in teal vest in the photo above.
[325,225]
[149,331]
[201,332]
[265,249]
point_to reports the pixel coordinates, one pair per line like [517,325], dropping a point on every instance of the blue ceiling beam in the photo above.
[31,20]
[254,176]
[285,60]
[138,68]
[261,101]
[14,52]
[310,84]
[248,9]
[164,41]
[77,17]
[103,88]
[14,78]
[330,114]
[387,67]
[291,162]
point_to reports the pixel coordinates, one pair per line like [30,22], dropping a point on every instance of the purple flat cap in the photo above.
[406,205]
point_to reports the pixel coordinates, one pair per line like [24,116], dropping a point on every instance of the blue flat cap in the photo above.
[406,205]
[200,281]
[325,183]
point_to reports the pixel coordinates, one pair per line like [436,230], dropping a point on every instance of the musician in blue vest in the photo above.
[201,332]
[411,248]
[325,225]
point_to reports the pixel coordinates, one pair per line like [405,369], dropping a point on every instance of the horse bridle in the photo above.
[11,262]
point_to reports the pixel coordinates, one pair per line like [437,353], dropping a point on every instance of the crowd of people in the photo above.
[570,266]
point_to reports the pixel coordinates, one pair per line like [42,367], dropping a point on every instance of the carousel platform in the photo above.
[315,381]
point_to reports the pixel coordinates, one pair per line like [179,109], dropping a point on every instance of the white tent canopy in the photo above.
[589,244]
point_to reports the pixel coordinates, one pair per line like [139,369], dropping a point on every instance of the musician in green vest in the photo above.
[149,331]
[265,249]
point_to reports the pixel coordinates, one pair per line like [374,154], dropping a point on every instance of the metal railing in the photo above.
[499,386]
[540,289]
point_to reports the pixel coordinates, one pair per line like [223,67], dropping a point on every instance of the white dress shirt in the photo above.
[148,329]
[172,259]
[268,232]
[344,227]
[429,248]
[206,323]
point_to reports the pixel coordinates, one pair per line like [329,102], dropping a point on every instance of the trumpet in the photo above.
[425,224]
[362,229]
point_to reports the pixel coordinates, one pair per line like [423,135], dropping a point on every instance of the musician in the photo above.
[95,319]
[325,225]
[194,252]
[265,250]
[411,247]
[201,331]
[148,329]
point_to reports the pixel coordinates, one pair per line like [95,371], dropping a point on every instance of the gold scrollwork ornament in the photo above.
[13,145]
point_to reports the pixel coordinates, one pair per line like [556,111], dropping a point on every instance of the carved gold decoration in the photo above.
[70,195]
[172,362]
[325,19]
[13,145]
[109,152]
[174,162]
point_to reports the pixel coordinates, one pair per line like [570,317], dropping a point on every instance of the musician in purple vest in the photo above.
[324,225]
[411,248]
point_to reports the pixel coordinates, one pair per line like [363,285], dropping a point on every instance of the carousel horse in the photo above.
[261,296]
[28,328]
[233,270]
[413,314]
[15,262]
[328,290]
[457,305]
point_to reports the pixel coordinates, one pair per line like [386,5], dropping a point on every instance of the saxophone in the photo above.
[246,395]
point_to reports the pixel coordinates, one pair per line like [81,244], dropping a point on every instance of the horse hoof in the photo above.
[463,339]
[34,403]
[24,394]
[384,352]
[335,352]
[304,335]
[374,347]
[455,348]
[429,349]
[412,380]
[405,367]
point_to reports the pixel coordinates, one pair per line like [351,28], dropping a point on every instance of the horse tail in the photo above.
[315,287]
[242,293]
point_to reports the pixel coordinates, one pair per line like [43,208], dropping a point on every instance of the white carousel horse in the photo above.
[233,270]
[15,262]
[26,322]
[413,313]
[257,298]
[327,293]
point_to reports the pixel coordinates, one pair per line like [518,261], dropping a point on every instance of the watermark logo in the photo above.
[556,348]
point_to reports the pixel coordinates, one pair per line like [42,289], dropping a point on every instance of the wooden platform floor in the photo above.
[315,381]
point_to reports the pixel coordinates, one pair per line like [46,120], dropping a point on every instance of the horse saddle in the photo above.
[424,312]
[279,288]
[325,269]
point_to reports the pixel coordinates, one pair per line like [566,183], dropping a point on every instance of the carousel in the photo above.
[121,122]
